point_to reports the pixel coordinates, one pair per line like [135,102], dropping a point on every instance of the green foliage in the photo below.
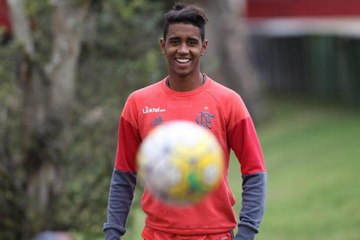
[127,48]
[120,53]
[33,6]
[11,204]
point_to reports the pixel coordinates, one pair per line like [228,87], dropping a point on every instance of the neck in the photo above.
[183,84]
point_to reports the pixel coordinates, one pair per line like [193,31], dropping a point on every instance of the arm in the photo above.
[120,197]
[245,143]
[253,202]
[123,179]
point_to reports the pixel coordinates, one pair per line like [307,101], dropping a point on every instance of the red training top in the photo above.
[213,106]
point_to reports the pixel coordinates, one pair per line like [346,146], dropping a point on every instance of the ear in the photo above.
[162,45]
[204,46]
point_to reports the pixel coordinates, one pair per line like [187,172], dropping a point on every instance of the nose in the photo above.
[183,49]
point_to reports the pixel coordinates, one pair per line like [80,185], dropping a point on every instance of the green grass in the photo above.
[312,154]
[313,161]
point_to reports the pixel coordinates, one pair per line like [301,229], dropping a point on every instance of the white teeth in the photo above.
[183,60]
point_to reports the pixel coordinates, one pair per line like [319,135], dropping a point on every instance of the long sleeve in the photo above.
[120,197]
[253,202]
[123,179]
[244,141]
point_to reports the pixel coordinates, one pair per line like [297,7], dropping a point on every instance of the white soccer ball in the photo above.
[180,162]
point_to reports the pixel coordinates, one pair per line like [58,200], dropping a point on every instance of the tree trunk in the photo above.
[68,25]
[228,33]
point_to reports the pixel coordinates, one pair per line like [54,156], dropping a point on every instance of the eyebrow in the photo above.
[189,38]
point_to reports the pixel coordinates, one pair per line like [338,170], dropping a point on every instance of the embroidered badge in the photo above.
[204,119]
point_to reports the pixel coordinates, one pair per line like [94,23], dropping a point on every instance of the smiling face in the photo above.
[183,48]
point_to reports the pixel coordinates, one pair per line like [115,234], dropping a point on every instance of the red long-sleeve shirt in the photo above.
[223,112]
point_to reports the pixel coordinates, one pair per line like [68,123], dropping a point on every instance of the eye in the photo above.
[174,41]
[192,42]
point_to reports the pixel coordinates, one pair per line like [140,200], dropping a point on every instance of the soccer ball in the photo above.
[180,162]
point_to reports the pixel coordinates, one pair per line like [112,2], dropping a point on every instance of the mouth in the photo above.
[182,60]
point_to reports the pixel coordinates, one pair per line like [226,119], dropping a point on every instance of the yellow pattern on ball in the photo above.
[180,162]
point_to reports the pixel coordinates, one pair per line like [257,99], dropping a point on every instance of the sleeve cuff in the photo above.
[113,232]
[245,233]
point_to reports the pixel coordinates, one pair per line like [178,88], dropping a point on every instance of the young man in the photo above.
[188,94]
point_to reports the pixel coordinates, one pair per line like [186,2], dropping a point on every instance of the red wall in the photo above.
[302,8]
[5,17]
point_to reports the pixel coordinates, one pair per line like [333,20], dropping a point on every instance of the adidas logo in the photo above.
[157,121]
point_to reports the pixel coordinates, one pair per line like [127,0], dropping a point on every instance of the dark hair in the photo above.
[186,13]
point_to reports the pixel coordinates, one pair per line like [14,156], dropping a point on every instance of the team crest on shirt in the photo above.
[205,119]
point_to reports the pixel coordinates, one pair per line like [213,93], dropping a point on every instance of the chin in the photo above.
[183,74]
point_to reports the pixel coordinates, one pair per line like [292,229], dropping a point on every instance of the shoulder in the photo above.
[230,101]
[221,90]
[147,91]
[139,97]
[225,95]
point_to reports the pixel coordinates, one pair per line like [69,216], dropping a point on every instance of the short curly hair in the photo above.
[186,13]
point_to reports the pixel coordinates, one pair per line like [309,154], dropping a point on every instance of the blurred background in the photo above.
[67,67]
